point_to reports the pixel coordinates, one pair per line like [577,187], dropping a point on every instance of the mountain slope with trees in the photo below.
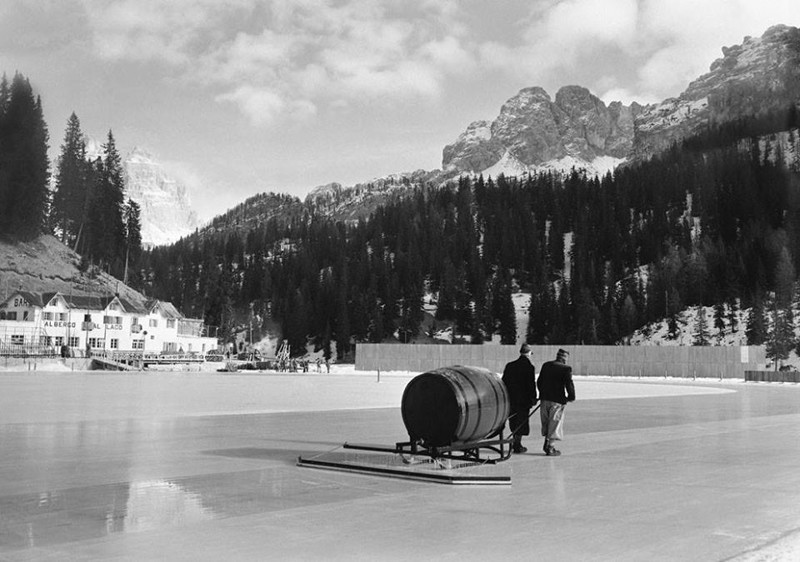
[713,221]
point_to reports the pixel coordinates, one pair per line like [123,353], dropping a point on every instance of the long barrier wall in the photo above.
[772,376]
[605,360]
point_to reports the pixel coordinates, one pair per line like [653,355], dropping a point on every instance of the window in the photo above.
[45,340]
[137,344]
[17,339]
[96,343]
[62,316]
[11,315]
[74,341]
[112,319]
[59,341]
[135,321]
[114,343]
[171,323]
[154,322]
[48,316]
[25,316]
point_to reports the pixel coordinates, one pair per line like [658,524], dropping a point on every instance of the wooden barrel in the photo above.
[454,405]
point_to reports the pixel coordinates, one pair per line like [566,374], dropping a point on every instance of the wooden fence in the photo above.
[729,362]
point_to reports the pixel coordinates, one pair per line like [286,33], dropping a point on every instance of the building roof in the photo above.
[79,302]
[167,309]
[100,303]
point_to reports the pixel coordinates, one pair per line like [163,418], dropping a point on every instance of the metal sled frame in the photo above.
[460,463]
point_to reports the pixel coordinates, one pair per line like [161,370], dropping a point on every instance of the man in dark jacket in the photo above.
[555,390]
[519,376]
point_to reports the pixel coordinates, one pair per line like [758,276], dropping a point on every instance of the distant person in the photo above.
[519,376]
[328,365]
[319,365]
[555,390]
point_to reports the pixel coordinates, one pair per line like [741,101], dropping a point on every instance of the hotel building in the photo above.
[54,323]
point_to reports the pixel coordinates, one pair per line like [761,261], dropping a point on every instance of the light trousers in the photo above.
[552,416]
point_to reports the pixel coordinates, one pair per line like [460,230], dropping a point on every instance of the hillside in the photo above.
[45,264]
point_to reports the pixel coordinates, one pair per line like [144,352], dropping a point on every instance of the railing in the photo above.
[146,358]
[28,350]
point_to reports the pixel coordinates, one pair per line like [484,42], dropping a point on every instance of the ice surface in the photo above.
[202,466]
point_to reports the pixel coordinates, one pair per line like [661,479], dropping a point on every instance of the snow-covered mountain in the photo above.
[166,213]
[576,129]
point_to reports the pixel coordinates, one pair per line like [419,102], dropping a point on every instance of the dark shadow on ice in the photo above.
[263,453]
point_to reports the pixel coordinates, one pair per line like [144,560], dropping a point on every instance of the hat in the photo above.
[525,349]
[561,355]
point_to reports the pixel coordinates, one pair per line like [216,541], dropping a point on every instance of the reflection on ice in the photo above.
[56,517]
[53,517]
[161,503]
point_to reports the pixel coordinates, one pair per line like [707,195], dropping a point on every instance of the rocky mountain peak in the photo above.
[760,75]
[166,212]
[577,129]
[534,131]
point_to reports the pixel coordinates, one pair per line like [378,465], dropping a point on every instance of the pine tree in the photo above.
[733,315]
[24,166]
[756,329]
[780,339]
[133,241]
[506,318]
[719,320]
[628,314]
[343,330]
[700,327]
[106,225]
[71,184]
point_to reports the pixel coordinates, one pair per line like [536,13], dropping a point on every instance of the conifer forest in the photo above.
[713,221]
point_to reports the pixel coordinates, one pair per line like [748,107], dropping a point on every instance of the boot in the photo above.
[518,448]
[546,446]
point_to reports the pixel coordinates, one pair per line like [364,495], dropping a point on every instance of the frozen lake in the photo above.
[201,466]
[56,396]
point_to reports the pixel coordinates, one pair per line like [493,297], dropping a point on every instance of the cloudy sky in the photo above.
[238,97]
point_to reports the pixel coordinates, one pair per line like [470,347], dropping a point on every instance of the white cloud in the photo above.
[289,57]
[261,106]
[265,107]
[666,44]
[153,30]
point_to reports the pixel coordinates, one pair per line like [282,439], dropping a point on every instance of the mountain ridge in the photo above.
[534,133]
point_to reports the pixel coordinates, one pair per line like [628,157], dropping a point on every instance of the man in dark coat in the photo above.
[519,376]
[555,390]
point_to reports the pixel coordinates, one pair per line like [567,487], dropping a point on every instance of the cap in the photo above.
[562,354]
[525,349]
